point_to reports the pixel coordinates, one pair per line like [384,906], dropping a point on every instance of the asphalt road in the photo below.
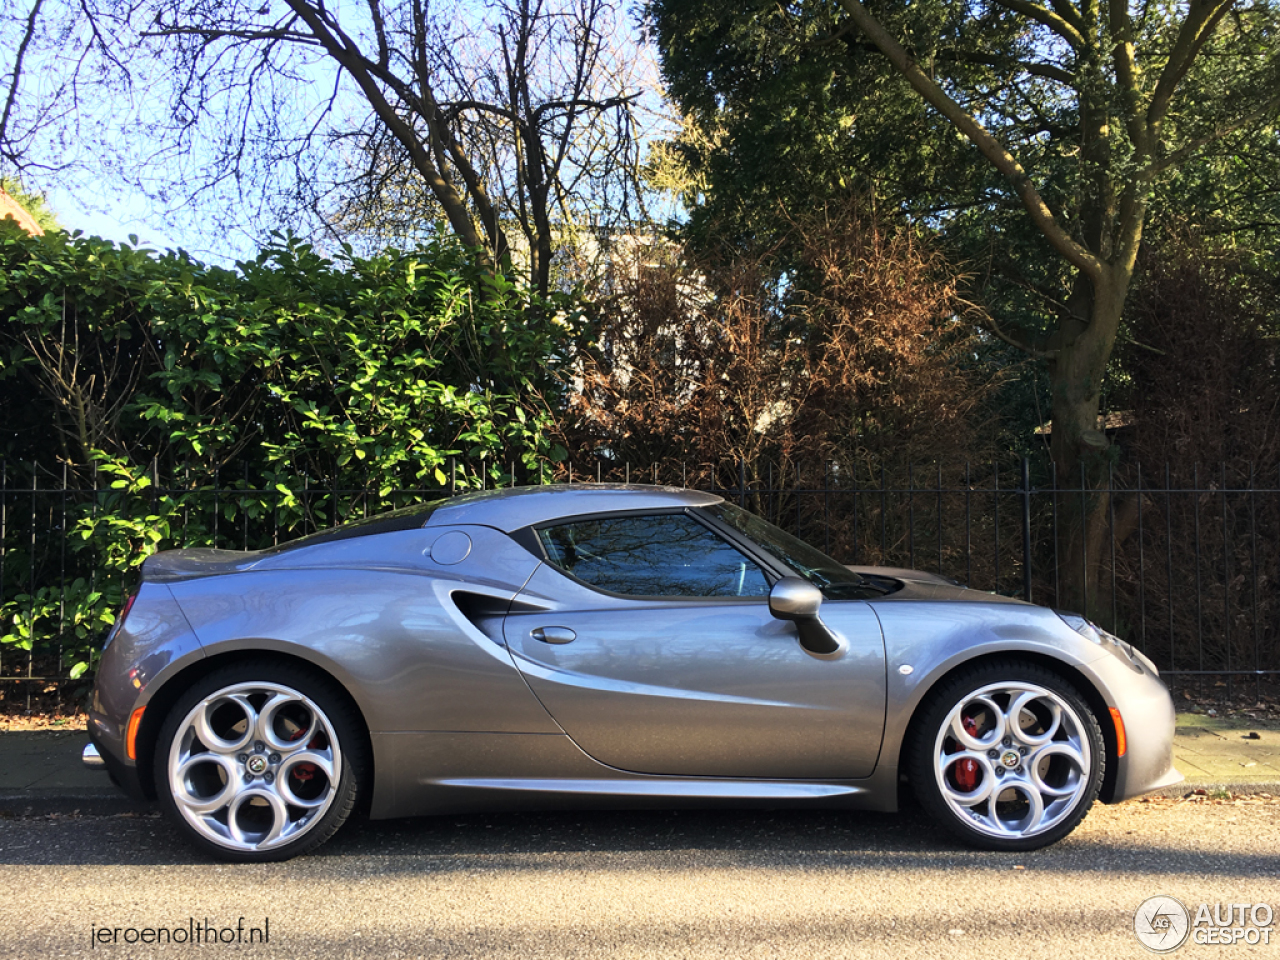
[734,885]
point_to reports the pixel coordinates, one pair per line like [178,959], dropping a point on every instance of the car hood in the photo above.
[919,585]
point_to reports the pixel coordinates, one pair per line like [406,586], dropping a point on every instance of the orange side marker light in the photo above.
[1121,744]
[131,733]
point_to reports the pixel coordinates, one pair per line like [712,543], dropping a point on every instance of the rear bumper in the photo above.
[123,774]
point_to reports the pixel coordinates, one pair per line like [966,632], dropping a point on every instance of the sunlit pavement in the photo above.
[690,884]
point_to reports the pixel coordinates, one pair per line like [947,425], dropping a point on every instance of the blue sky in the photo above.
[116,217]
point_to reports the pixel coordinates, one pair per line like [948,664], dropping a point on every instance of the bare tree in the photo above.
[55,72]
[505,122]
[539,116]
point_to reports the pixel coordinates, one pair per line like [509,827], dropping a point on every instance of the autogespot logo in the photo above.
[1162,924]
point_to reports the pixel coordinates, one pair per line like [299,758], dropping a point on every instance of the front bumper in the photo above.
[1147,711]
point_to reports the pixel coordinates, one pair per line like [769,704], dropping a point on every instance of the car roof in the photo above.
[513,508]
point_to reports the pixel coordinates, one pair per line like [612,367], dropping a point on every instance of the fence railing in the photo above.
[1185,559]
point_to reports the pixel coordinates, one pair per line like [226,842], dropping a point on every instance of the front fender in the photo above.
[925,641]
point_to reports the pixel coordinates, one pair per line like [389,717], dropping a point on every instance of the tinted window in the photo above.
[670,555]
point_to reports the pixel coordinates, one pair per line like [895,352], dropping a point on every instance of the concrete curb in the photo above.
[1248,788]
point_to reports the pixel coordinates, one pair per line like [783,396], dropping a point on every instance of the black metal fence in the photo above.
[1185,561]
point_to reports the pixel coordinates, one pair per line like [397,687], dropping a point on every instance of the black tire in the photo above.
[995,787]
[282,769]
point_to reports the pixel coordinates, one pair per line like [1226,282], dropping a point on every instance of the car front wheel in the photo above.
[1007,756]
[259,762]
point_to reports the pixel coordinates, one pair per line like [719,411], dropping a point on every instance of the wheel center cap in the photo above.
[257,764]
[1010,759]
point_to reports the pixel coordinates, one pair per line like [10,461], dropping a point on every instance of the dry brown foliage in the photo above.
[856,354]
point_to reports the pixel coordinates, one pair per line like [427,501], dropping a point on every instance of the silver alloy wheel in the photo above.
[254,766]
[1013,760]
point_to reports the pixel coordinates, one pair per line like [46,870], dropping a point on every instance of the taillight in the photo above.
[128,605]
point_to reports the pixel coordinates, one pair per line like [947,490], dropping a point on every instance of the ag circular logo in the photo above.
[1161,924]
[257,764]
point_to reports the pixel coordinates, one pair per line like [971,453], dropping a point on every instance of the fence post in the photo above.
[1026,530]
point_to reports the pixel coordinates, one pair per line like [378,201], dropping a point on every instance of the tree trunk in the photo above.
[1082,454]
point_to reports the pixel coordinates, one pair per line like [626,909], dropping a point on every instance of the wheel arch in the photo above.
[164,699]
[1086,688]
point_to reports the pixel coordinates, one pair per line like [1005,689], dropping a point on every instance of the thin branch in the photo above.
[1046,17]
[450,111]
[210,35]
[18,60]
[1202,18]
[989,322]
[574,105]
[1046,70]
[379,29]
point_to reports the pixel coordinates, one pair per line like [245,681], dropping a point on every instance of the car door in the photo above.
[649,640]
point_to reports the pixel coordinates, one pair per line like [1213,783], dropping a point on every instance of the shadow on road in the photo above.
[625,841]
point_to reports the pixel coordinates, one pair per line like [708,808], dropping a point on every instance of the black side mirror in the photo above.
[799,601]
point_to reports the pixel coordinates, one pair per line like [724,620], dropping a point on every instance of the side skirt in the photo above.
[436,773]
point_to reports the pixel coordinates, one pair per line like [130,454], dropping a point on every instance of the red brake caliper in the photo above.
[303,771]
[967,771]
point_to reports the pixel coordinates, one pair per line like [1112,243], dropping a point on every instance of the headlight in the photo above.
[1095,634]
[1081,626]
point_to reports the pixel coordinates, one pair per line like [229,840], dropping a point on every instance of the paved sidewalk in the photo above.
[1217,752]
[41,771]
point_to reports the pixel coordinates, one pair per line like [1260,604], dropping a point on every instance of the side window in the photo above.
[669,555]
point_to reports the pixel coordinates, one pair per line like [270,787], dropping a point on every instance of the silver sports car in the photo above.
[595,645]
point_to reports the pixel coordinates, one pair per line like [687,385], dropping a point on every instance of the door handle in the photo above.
[553,634]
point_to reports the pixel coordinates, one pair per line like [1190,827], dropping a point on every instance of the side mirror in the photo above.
[799,601]
[794,599]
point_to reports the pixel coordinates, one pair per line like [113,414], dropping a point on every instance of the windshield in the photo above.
[835,580]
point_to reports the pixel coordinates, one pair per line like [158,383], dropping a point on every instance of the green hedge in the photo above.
[153,381]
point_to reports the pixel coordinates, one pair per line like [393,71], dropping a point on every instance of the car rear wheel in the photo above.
[1007,756]
[260,761]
